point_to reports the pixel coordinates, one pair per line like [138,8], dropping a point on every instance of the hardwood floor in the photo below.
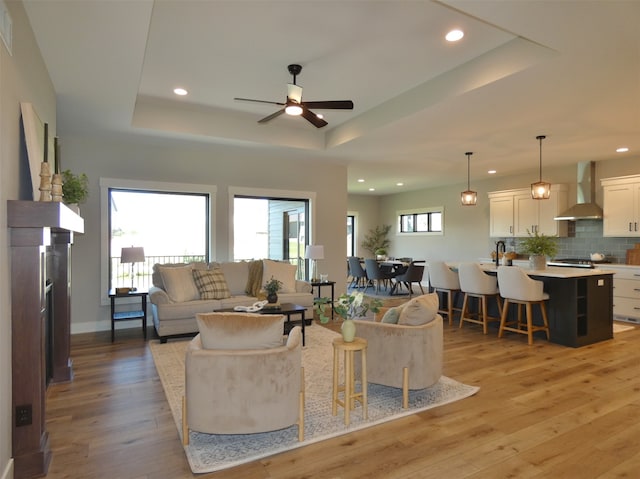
[544,411]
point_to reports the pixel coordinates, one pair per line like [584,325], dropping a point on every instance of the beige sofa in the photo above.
[177,294]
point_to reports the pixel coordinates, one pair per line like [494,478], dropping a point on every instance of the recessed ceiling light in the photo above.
[320,115]
[623,149]
[360,180]
[454,35]
[180,91]
[400,184]
[492,172]
[372,189]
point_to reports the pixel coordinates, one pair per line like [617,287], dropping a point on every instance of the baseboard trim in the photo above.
[8,470]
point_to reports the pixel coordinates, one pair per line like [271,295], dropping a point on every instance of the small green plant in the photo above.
[539,244]
[377,240]
[272,286]
[75,188]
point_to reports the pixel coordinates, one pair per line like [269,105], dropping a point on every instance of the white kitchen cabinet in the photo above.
[501,215]
[626,292]
[621,211]
[515,213]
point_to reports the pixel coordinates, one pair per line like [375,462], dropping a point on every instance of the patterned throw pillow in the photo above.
[211,284]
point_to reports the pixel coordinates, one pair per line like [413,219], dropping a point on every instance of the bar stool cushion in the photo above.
[516,284]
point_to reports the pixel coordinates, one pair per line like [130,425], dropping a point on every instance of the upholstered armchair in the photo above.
[404,355]
[242,377]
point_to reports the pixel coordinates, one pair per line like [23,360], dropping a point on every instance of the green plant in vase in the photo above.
[348,307]
[272,287]
[75,188]
[539,247]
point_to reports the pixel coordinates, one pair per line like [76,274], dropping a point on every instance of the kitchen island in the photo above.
[580,306]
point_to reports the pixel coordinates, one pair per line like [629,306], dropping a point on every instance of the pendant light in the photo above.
[469,198]
[540,190]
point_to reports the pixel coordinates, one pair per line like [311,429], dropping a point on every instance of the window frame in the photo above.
[420,211]
[151,186]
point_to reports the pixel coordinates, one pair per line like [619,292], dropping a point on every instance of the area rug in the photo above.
[211,452]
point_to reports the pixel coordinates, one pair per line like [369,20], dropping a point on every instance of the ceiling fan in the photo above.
[296,107]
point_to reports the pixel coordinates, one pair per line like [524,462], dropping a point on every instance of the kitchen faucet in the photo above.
[504,250]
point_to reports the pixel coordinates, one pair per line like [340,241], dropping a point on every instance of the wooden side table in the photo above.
[350,394]
[130,314]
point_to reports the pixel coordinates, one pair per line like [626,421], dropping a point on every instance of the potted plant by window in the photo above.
[539,247]
[75,188]
[272,287]
[376,240]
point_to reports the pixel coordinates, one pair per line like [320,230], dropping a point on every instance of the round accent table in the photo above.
[348,387]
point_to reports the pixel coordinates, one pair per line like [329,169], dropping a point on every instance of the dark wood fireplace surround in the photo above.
[41,234]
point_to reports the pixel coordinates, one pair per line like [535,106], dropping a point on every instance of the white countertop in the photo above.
[552,271]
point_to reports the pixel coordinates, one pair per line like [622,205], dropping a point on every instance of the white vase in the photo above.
[348,329]
[537,261]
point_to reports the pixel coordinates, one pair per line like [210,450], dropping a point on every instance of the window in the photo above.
[172,222]
[271,224]
[351,236]
[425,220]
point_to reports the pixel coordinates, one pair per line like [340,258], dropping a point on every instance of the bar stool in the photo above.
[516,287]
[444,280]
[350,394]
[475,283]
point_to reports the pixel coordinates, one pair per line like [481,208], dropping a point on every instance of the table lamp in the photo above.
[314,253]
[134,254]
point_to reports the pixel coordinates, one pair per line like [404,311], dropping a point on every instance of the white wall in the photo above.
[23,78]
[184,162]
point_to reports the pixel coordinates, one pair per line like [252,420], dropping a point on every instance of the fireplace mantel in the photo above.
[41,234]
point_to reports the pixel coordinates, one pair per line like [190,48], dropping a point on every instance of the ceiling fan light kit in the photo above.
[294,105]
[540,190]
[469,197]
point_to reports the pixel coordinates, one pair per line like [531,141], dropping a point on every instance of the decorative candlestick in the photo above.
[45,182]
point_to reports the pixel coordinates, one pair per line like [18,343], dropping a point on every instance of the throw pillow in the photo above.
[420,310]
[240,330]
[254,281]
[211,284]
[236,274]
[179,283]
[391,316]
[284,272]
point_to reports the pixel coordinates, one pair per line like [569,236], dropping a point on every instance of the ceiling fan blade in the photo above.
[329,105]
[312,118]
[272,116]
[260,101]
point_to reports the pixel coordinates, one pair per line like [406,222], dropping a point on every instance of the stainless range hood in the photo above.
[586,208]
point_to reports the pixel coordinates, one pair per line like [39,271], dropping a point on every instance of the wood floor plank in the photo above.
[542,411]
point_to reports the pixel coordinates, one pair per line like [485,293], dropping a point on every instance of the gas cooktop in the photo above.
[576,263]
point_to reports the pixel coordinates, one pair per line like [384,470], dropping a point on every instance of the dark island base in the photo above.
[580,310]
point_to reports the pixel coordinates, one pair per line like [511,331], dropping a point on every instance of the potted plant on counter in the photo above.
[539,247]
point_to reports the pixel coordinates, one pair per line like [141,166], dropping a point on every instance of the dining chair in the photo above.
[376,274]
[413,274]
[358,274]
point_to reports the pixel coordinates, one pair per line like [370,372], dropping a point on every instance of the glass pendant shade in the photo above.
[468,197]
[540,190]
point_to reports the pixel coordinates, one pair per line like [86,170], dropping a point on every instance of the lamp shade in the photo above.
[314,252]
[134,254]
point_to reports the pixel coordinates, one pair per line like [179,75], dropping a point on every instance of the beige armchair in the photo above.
[243,391]
[399,356]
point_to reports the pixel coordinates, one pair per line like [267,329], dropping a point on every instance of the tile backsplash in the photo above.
[585,237]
